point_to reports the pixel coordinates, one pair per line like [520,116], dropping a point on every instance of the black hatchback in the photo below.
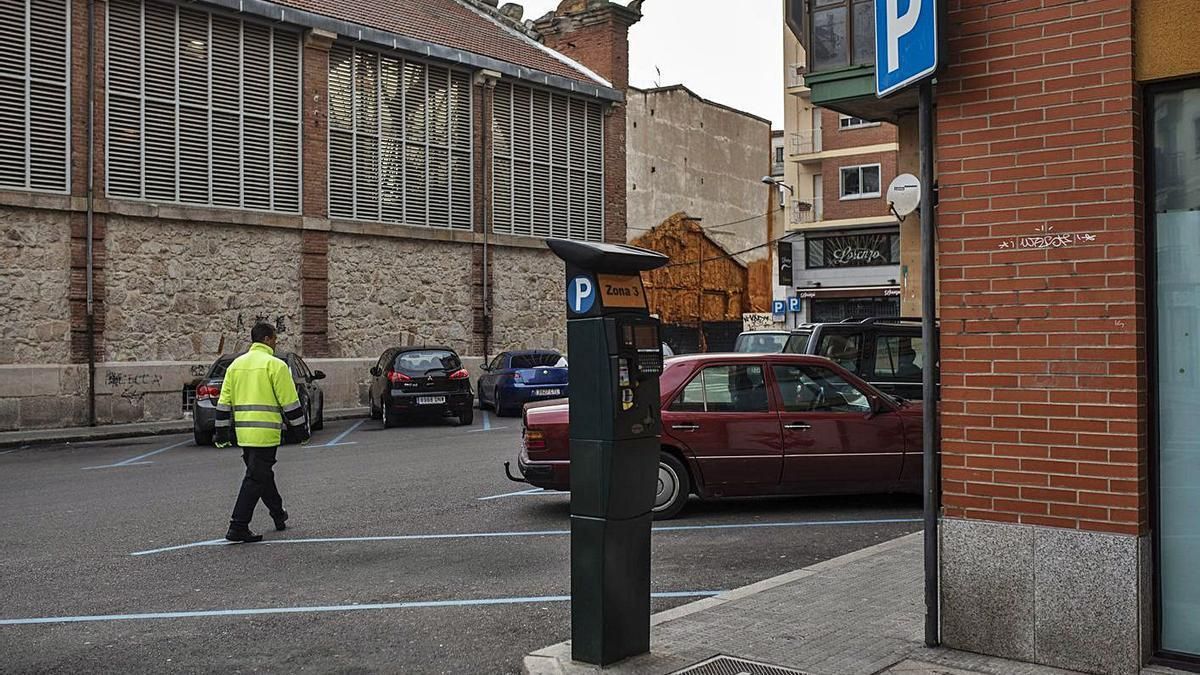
[411,382]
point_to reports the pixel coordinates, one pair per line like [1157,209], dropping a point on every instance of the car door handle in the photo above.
[799,426]
[685,427]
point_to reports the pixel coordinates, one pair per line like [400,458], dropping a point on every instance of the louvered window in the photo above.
[202,108]
[34,137]
[399,140]
[548,170]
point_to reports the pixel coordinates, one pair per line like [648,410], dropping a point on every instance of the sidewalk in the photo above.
[110,431]
[859,614]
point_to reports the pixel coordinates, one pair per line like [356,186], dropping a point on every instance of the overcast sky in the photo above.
[728,51]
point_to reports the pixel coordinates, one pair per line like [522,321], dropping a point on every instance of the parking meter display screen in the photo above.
[645,337]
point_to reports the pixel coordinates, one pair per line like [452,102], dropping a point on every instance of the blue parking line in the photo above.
[133,461]
[337,439]
[532,533]
[487,421]
[478,602]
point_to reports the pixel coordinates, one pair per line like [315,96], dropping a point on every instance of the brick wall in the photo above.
[1042,276]
[833,137]
[835,207]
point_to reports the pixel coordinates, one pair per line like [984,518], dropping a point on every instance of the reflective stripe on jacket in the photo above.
[259,396]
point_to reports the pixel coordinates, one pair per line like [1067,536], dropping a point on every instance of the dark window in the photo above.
[779,155]
[860,182]
[732,388]
[539,360]
[843,33]
[498,362]
[898,358]
[424,361]
[219,368]
[844,350]
[854,250]
[797,343]
[816,389]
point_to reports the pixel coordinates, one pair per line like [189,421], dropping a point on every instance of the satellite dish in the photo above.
[904,195]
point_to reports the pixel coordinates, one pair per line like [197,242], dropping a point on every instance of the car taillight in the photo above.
[208,391]
[397,378]
[460,374]
[535,440]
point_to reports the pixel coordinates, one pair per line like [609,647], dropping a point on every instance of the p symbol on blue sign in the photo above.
[906,48]
[778,307]
[581,294]
[793,304]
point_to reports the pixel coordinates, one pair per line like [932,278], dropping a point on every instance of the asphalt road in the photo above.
[80,558]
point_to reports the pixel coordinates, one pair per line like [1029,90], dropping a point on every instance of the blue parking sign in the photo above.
[906,45]
[794,304]
[778,307]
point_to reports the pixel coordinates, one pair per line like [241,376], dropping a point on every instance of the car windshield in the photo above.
[760,343]
[797,342]
[218,369]
[423,361]
[539,360]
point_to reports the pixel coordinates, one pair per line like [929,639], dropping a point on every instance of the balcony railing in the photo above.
[805,142]
[795,75]
[806,211]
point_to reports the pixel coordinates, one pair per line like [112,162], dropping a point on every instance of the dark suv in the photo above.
[420,382]
[885,351]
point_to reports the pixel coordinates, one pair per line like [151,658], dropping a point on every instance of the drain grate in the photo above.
[728,665]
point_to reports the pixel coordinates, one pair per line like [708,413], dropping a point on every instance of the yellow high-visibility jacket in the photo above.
[258,395]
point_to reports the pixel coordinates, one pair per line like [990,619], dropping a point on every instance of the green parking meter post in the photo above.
[615,428]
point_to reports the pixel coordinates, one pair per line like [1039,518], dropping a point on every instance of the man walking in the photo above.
[258,395]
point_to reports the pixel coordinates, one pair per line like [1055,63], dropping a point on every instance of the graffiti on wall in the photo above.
[1045,237]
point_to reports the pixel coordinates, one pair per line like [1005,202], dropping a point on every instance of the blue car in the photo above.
[515,378]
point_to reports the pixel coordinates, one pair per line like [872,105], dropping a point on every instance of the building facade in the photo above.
[357,175]
[845,243]
[1067,174]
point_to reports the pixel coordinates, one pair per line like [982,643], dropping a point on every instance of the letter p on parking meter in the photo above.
[615,427]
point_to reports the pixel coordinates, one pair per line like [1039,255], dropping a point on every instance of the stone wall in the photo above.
[528,301]
[385,291]
[180,291]
[34,280]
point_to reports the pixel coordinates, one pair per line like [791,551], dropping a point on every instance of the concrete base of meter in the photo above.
[610,588]
[613,479]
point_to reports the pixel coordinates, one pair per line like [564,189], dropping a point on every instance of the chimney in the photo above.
[594,33]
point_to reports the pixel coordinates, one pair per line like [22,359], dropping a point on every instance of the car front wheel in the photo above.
[674,487]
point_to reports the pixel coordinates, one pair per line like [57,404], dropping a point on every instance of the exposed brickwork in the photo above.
[834,207]
[481,321]
[77,296]
[1042,266]
[314,292]
[316,124]
[598,37]
[833,137]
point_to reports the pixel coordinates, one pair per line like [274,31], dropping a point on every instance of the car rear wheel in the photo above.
[503,410]
[466,417]
[674,487]
[376,413]
[389,420]
[482,404]
[201,437]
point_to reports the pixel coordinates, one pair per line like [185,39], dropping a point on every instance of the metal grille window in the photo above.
[399,140]
[34,80]
[202,108]
[548,158]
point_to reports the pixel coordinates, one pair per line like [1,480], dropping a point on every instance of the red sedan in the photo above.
[738,425]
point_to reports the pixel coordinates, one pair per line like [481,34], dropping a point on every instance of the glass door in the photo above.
[1174,195]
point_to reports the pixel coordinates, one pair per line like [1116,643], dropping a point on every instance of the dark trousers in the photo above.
[259,483]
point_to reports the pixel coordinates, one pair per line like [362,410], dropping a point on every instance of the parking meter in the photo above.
[615,428]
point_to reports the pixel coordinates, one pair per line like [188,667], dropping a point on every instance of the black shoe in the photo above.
[280,521]
[243,535]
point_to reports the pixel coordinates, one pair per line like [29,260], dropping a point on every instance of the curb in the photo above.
[116,431]
[556,659]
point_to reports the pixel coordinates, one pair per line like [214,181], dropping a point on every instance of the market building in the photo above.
[1068,188]
[359,174]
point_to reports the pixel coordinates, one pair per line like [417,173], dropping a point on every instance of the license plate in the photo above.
[430,400]
[547,392]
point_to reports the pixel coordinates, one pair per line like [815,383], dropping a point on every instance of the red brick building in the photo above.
[1069,182]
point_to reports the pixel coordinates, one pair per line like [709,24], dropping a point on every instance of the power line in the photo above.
[731,254]
[710,227]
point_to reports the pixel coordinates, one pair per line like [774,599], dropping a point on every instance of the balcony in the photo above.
[807,142]
[795,75]
[804,212]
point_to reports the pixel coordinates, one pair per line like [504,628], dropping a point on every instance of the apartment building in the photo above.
[845,244]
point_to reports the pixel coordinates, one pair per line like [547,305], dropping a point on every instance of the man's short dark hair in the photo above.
[262,331]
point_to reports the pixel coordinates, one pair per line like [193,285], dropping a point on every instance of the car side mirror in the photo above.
[376,371]
[318,374]
[485,368]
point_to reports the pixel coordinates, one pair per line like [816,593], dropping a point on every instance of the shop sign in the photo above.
[853,250]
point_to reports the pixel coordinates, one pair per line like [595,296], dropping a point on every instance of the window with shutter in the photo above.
[399,140]
[548,154]
[203,108]
[34,81]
